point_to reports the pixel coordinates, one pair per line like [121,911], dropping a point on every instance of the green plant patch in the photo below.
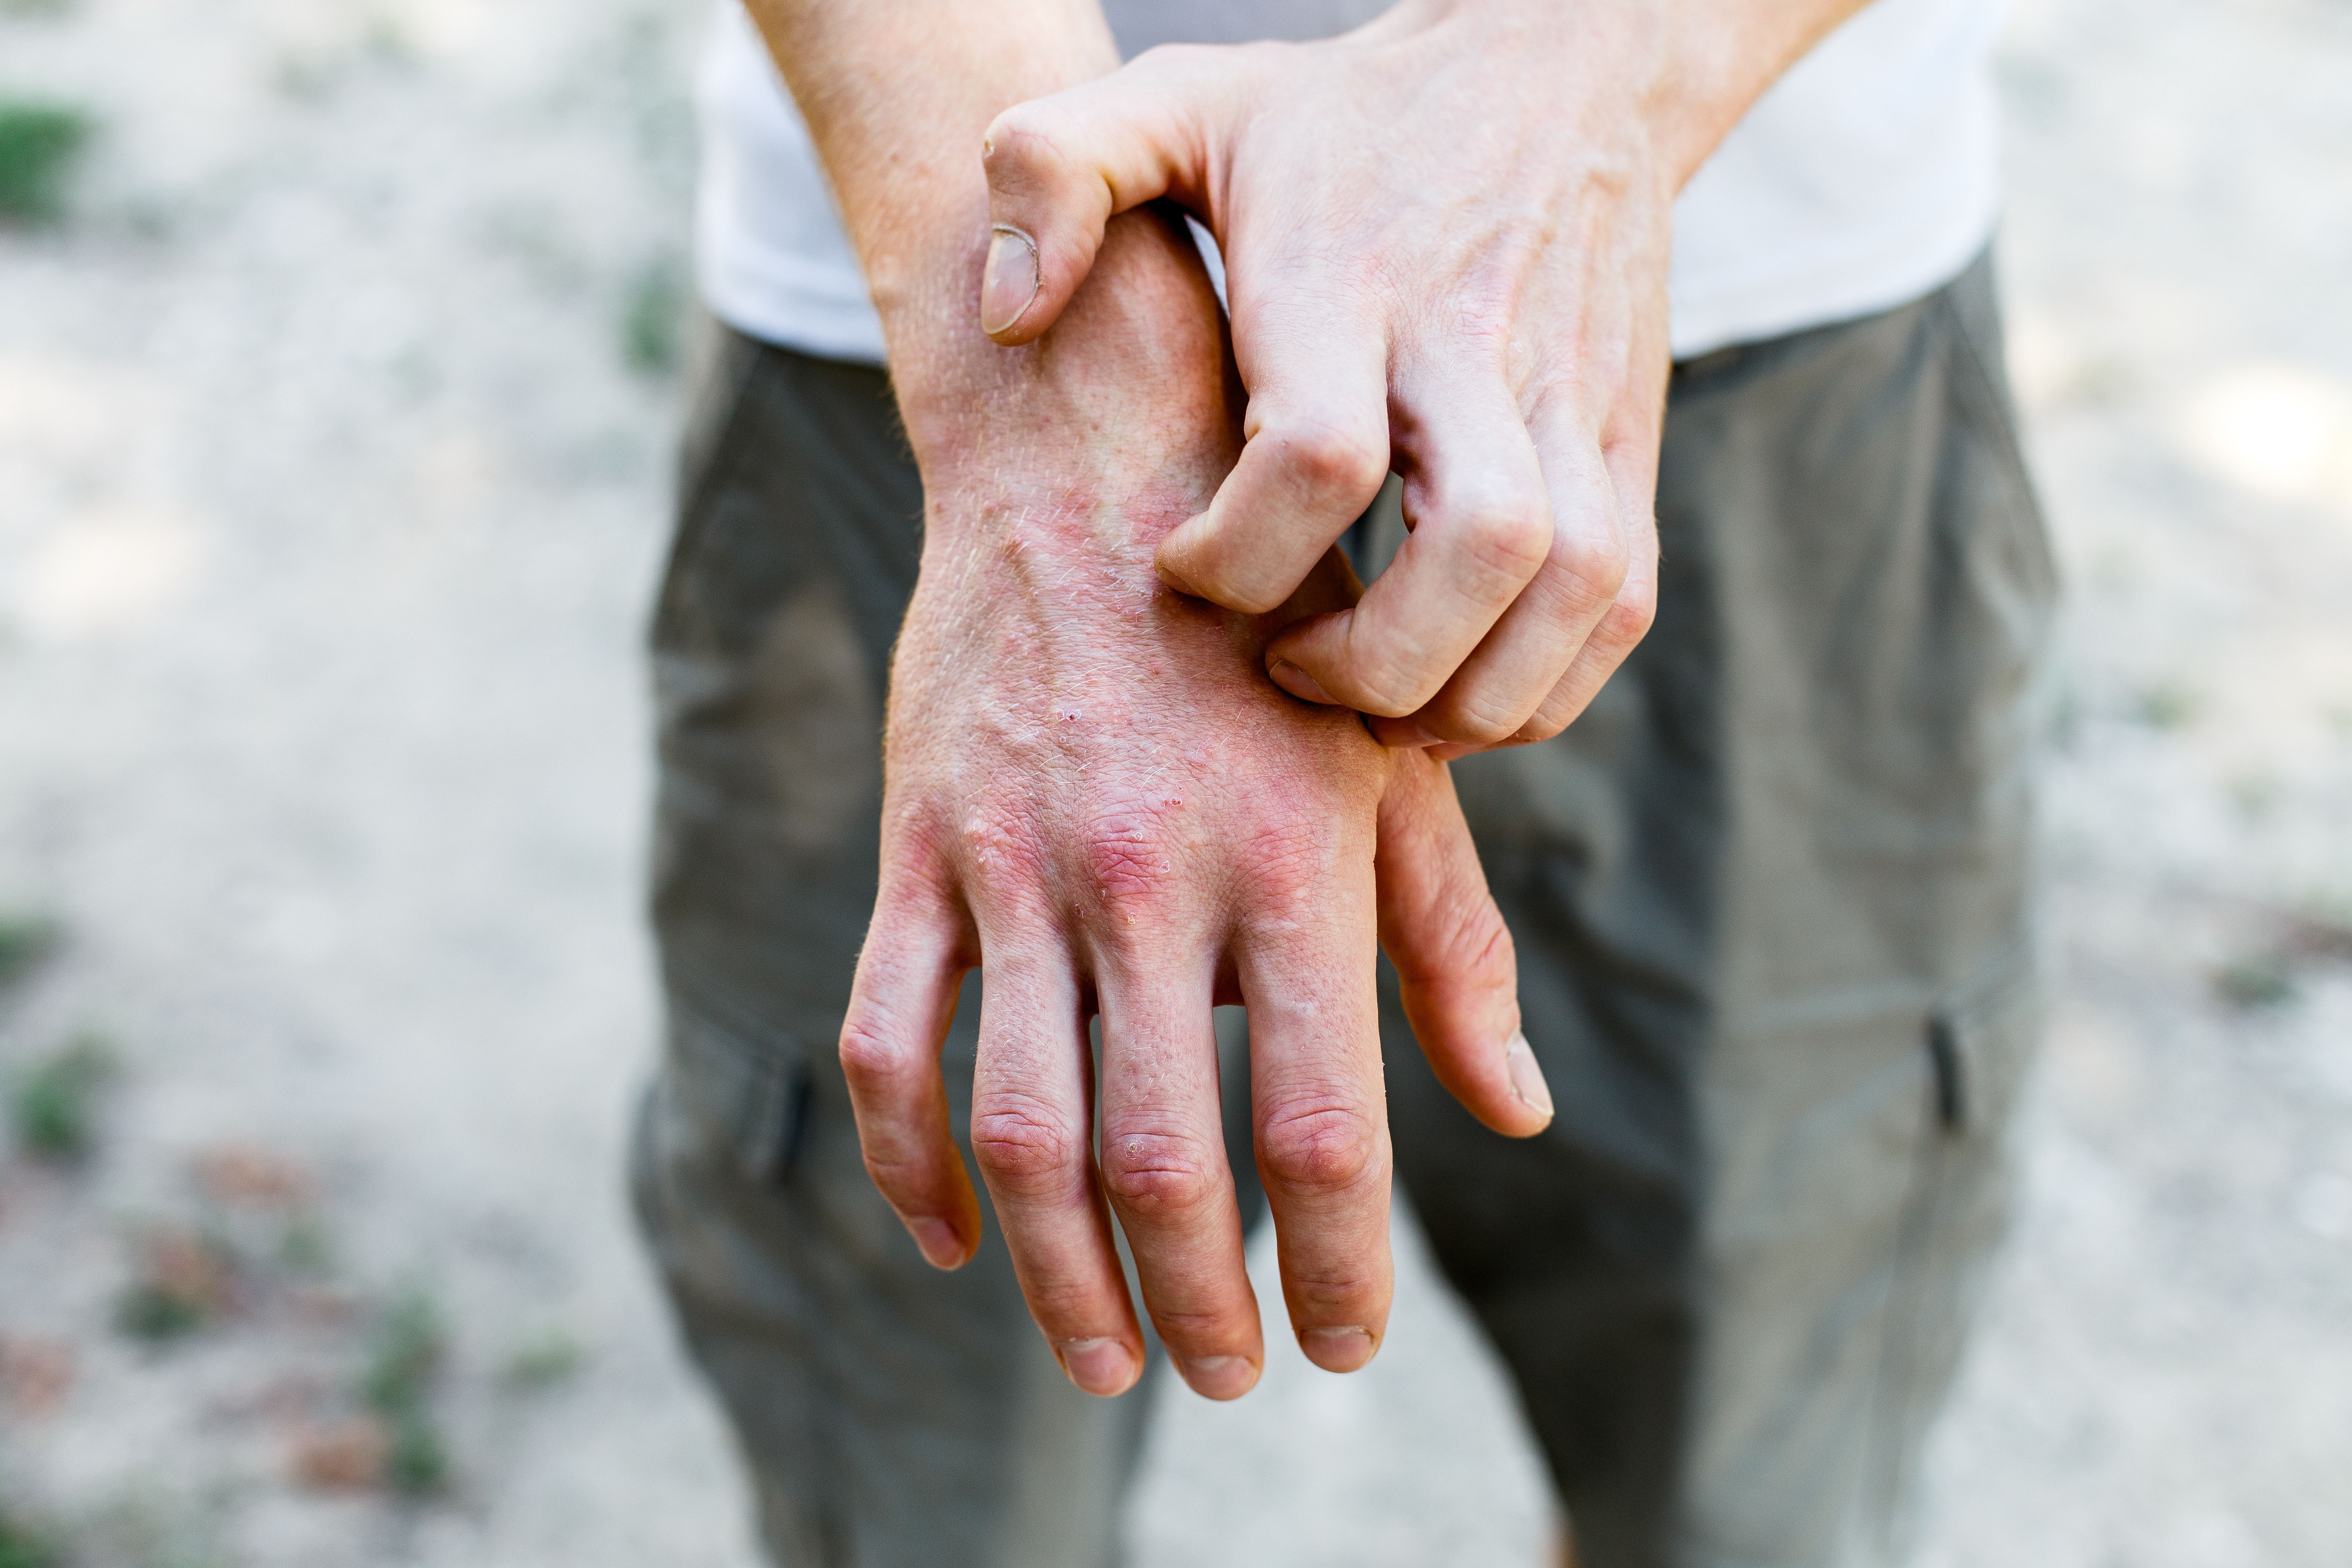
[54,1108]
[306,1247]
[404,1352]
[2260,982]
[152,1312]
[418,1464]
[545,1360]
[22,1545]
[182,1280]
[2167,706]
[25,941]
[653,320]
[38,145]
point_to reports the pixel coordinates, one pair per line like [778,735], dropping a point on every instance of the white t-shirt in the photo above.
[1864,179]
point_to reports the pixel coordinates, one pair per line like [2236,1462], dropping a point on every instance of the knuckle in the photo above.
[872,1059]
[1196,1332]
[1630,616]
[1072,1305]
[997,843]
[1021,131]
[1224,569]
[895,1175]
[1128,860]
[1321,1297]
[1159,1175]
[1568,699]
[1289,862]
[1475,720]
[1026,1148]
[1474,950]
[1542,727]
[1380,680]
[1332,453]
[1320,1149]
[1481,948]
[1022,151]
[1597,569]
[1510,536]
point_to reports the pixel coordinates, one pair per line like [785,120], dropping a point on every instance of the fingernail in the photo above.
[1527,1073]
[1010,282]
[1403,734]
[1169,577]
[1337,1349]
[942,1247]
[1297,681]
[1098,1366]
[1218,1376]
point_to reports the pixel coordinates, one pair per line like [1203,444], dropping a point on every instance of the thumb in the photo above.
[1060,168]
[1452,954]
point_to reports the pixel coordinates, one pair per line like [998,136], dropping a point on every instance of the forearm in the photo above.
[1688,69]
[898,99]
[1729,53]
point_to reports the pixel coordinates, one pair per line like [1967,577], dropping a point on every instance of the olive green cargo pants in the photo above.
[1772,902]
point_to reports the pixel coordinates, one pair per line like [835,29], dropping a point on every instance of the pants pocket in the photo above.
[742,1092]
[1979,1039]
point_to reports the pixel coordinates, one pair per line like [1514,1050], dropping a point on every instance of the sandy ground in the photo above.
[328,505]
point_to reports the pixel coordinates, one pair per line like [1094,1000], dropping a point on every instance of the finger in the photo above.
[1305,966]
[1629,448]
[1630,454]
[1453,955]
[1163,1166]
[1505,679]
[1031,1123]
[1060,168]
[1627,621]
[1315,452]
[1482,530]
[900,1006]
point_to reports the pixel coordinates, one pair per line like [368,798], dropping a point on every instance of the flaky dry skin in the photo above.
[1093,795]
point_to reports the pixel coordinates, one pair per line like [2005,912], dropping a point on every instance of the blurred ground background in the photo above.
[336,390]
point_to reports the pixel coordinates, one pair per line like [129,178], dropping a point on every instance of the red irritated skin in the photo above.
[1093,795]
[1446,237]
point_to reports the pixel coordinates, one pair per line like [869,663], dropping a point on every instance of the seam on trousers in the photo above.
[1883,1460]
[1952,1117]
[743,361]
[1992,413]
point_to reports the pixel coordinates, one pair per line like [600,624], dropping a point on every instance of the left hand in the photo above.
[1092,795]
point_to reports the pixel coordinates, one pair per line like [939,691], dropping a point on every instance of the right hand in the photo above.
[1093,795]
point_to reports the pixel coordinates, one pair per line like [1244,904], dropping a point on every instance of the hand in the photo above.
[1092,795]
[1446,237]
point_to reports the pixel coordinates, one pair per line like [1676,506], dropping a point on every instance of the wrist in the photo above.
[1125,414]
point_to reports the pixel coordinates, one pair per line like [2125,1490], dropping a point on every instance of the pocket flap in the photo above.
[751,1092]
